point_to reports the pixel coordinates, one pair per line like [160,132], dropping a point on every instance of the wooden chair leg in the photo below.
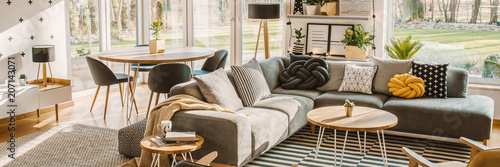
[95,97]
[485,142]
[135,104]
[121,93]
[106,106]
[57,112]
[313,128]
[157,98]
[149,104]
[38,112]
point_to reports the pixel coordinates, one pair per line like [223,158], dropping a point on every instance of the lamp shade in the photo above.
[263,11]
[43,53]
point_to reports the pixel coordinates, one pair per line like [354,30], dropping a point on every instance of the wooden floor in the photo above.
[115,119]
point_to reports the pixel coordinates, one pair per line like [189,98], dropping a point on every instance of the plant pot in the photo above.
[311,9]
[354,52]
[323,9]
[298,48]
[22,81]
[156,46]
[332,8]
[348,111]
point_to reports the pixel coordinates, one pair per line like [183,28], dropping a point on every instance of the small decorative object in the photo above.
[357,42]
[156,45]
[402,49]
[299,8]
[43,54]
[324,7]
[406,86]
[22,80]
[311,6]
[332,8]
[304,73]
[164,127]
[298,49]
[356,7]
[349,106]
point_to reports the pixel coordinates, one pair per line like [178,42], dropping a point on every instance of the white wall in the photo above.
[381,25]
[54,23]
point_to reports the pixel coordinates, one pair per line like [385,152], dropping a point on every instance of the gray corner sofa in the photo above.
[239,139]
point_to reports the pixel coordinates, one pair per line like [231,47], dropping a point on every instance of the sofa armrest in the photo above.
[228,134]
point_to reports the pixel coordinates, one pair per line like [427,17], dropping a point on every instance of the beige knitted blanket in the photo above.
[164,111]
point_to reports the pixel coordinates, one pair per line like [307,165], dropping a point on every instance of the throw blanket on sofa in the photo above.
[164,111]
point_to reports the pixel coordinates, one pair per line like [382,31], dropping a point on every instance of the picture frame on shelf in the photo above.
[356,8]
[319,43]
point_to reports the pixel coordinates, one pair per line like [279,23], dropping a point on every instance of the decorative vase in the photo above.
[22,81]
[354,52]
[298,48]
[156,46]
[348,111]
[311,9]
[332,8]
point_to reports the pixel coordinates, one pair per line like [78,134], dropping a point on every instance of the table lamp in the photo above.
[263,11]
[43,54]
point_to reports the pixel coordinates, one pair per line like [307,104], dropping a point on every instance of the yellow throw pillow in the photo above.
[407,86]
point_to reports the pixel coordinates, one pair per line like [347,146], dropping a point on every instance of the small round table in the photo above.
[363,119]
[173,149]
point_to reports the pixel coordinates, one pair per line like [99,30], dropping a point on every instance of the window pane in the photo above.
[84,27]
[449,37]
[123,23]
[212,25]
[170,13]
[251,31]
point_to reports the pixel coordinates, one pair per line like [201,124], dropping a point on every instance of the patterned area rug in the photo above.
[298,149]
[66,145]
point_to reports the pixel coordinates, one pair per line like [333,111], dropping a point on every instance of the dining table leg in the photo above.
[132,99]
[127,94]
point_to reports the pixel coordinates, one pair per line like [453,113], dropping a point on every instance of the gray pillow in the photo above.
[217,89]
[250,83]
[358,79]
[387,68]
[336,71]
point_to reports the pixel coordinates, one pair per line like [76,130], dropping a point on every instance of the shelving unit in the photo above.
[323,17]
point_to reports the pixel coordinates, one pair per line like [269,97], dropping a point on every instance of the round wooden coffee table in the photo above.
[363,119]
[174,149]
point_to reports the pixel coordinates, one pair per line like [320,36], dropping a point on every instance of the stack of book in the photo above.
[172,138]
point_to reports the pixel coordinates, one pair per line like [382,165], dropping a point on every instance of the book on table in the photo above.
[180,136]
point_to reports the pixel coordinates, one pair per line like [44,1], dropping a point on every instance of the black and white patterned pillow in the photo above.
[250,83]
[434,76]
[358,79]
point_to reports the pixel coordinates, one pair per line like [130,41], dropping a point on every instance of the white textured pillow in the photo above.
[250,83]
[358,79]
[217,88]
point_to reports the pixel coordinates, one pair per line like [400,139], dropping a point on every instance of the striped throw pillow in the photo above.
[250,83]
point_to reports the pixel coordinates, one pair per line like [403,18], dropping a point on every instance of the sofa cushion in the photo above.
[452,117]
[338,98]
[296,108]
[358,79]
[387,68]
[217,88]
[306,93]
[268,127]
[457,82]
[336,70]
[250,83]
[271,68]
[434,76]
[190,88]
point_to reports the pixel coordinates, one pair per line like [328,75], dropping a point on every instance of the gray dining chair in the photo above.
[164,76]
[103,76]
[213,63]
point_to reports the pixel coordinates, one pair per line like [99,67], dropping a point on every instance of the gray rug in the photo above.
[298,149]
[66,145]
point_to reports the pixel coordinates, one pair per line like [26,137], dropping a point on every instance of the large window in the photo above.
[454,32]
[170,13]
[123,23]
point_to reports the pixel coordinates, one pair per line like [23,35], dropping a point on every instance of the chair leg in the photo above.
[157,98]
[95,97]
[57,111]
[485,142]
[121,93]
[106,106]
[149,104]
[135,104]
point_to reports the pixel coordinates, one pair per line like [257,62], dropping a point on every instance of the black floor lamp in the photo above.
[43,54]
[263,11]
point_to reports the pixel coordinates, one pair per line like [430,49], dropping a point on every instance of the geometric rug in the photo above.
[66,145]
[298,149]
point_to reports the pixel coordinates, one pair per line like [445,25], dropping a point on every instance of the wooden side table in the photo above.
[55,92]
[174,149]
[363,119]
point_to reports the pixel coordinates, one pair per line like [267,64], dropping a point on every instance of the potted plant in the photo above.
[349,106]
[311,6]
[332,7]
[298,48]
[357,42]
[156,45]
[402,49]
[22,80]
